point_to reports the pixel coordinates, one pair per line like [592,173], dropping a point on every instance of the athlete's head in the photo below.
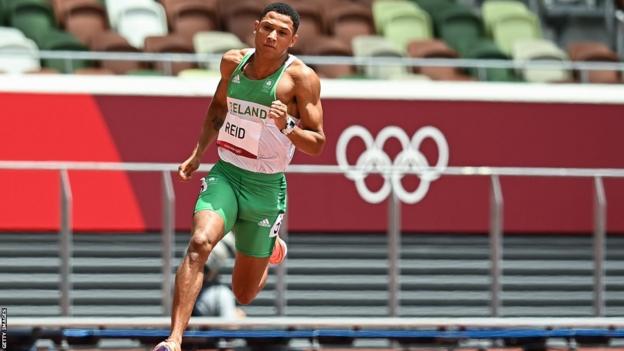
[276,29]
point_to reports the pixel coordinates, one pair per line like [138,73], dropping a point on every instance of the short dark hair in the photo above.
[283,9]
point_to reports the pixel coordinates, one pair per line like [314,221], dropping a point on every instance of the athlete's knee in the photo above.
[244,296]
[200,246]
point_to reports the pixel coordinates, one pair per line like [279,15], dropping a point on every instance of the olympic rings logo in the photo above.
[376,159]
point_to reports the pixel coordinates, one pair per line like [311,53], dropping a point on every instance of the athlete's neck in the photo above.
[260,67]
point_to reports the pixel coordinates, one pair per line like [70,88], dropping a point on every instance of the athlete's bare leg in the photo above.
[249,276]
[207,231]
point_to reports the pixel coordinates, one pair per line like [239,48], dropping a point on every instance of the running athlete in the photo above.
[266,104]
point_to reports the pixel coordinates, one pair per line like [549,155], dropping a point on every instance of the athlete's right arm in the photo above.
[215,115]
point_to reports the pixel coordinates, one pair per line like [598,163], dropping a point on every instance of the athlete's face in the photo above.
[275,33]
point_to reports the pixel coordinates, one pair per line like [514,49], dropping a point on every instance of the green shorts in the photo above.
[251,204]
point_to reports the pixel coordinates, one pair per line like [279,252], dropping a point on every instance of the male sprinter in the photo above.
[266,104]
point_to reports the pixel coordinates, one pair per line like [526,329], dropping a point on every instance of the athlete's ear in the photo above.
[256,24]
[294,40]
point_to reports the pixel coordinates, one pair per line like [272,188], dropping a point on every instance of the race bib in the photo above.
[241,136]
[242,128]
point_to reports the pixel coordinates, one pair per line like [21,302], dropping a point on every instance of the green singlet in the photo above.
[247,186]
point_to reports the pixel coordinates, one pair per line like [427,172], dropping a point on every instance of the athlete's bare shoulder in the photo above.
[303,76]
[230,61]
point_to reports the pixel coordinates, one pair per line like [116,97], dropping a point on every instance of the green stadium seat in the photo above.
[63,41]
[493,10]
[514,27]
[402,28]
[384,11]
[4,13]
[459,26]
[488,50]
[541,49]
[33,17]
[434,7]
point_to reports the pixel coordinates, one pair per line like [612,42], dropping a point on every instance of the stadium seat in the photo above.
[401,28]
[136,22]
[310,23]
[25,58]
[459,27]
[595,52]
[493,10]
[216,43]
[170,44]
[59,40]
[434,48]
[384,11]
[187,17]
[11,33]
[487,50]
[114,7]
[239,17]
[82,18]
[347,20]
[434,7]
[378,46]
[514,27]
[33,17]
[111,41]
[331,46]
[541,49]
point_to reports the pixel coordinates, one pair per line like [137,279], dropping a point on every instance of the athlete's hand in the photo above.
[279,112]
[186,169]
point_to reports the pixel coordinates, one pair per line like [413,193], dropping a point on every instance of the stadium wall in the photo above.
[120,119]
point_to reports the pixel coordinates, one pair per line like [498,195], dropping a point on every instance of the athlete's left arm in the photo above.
[308,136]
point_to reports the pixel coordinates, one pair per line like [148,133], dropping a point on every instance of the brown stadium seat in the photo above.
[596,52]
[113,42]
[239,16]
[310,24]
[346,20]
[432,48]
[330,46]
[187,17]
[82,18]
[172,43]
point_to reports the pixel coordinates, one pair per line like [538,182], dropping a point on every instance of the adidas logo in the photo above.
[236,79]
[264,223]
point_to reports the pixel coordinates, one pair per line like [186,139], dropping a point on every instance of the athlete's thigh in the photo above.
[216,197]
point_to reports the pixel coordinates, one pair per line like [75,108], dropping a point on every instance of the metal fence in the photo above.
[394,220]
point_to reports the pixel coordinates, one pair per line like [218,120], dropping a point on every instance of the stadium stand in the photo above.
[435,49]
[138,21]
[173,43]
[593,51]
[82,18]
[187,17]
[474,29]
[111,41]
